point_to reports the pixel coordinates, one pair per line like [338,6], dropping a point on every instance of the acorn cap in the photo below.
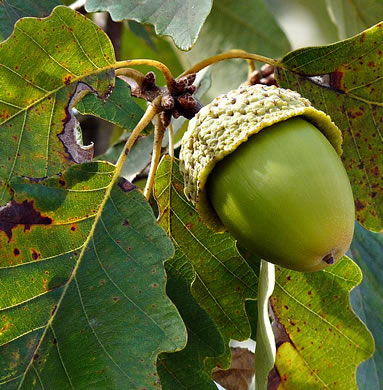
[228,121]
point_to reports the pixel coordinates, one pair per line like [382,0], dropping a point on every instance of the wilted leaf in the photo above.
[180,19]
[13,10]
[345,80]
[367,301]
[186,367]
[119,109]
[352,17]
[83,303]
[46,66]
[320,341]
[237,25]
[240,373]
[224,281]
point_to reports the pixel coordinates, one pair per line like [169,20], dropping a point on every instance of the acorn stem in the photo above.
[231,54]
[150,113]
[159,131]
[171,141]
[155,64]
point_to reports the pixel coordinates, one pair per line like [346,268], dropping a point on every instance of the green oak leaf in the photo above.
[320,341]
[186,367]
[180,19]
[223,279]
[367,301]
[119,109]
[47,65]
[345,80]
[82,284]
[13,10]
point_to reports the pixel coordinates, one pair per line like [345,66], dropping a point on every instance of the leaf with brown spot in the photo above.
[320,340]
[71,56]
[73,303]
[240,373]
[345,80]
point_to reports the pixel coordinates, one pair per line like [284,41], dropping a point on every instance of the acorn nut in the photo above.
[283,192]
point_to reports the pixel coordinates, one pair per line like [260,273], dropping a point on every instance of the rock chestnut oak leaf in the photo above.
[76,294]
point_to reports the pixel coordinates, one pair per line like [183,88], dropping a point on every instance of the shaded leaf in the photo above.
[224,281]
[180,19]
[345,80]
[237,25]
[352,17]
[13,10]
[367,301]
[119,109]
[320,340]
[81,289]
[240,373]
[67,56]
[138,158]
[140,30]
[186,367]
[165,52]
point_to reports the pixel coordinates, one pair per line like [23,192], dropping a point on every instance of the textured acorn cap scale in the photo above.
[228,121]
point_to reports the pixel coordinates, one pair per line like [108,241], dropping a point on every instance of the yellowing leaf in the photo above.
[320,340]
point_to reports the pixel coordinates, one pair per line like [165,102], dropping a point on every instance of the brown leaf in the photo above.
[240,373]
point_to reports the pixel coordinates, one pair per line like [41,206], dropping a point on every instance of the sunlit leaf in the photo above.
[224,281]
[82,291]
[180,19]
[345,80]
[46,66]
[367,301]
[320,340]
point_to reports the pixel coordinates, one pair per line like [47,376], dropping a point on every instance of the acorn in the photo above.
[262,163]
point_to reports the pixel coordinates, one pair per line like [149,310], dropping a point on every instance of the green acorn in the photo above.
[282,192]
